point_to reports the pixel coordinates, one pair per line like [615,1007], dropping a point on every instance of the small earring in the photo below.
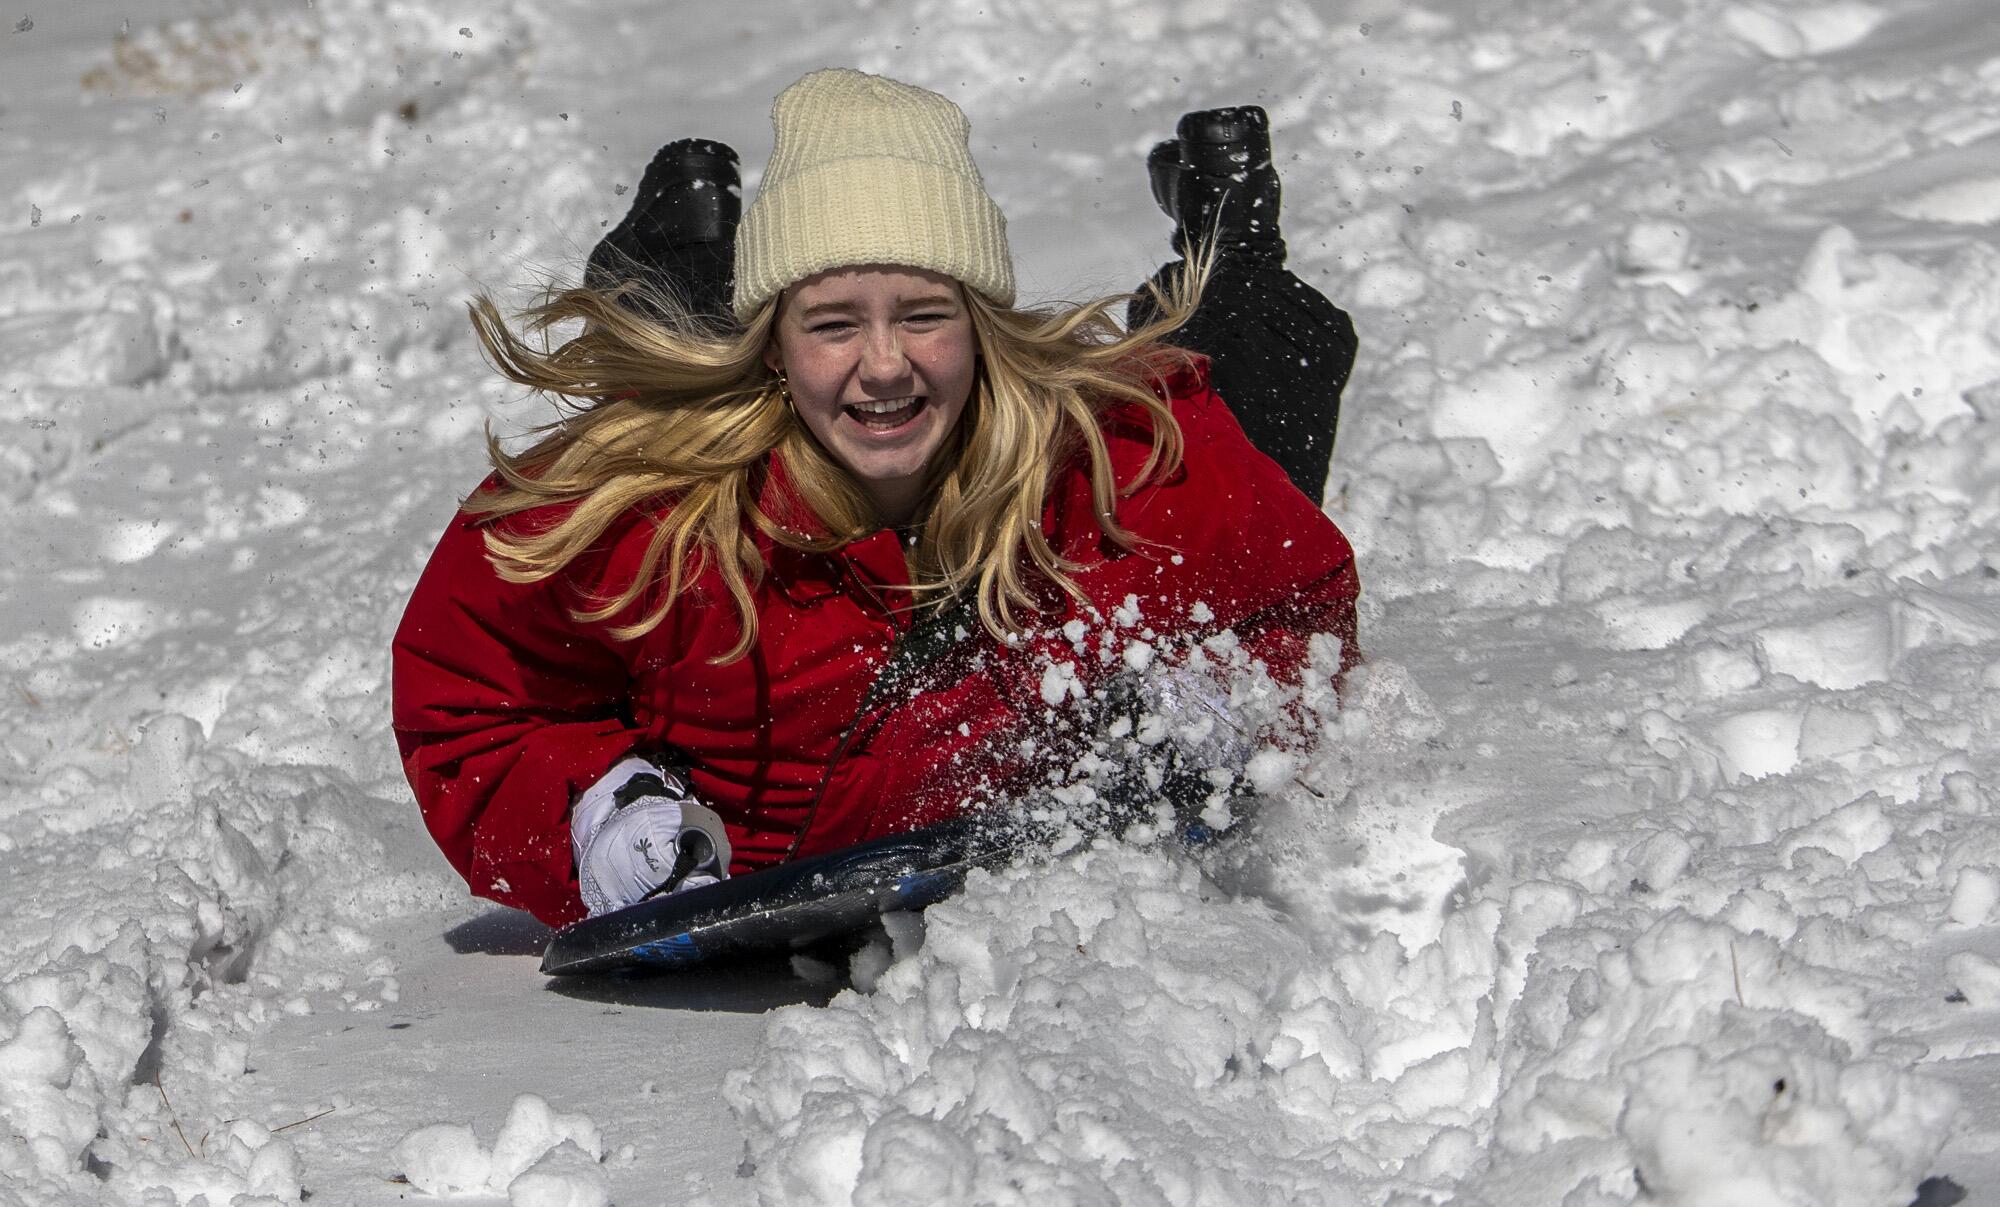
[785,392]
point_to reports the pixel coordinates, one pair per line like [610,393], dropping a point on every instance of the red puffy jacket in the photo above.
[506,708]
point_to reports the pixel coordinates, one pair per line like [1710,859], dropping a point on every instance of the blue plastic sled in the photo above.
[782,908]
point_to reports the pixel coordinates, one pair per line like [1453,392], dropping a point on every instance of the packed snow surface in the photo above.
[1651,858]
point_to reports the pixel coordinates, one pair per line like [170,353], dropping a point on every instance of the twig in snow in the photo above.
[1736,974]
[171,1116]
[302,1122]
[283,1127]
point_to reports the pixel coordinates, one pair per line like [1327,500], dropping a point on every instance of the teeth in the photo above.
[883,407]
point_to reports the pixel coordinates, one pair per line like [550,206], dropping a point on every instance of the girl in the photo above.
[854,563]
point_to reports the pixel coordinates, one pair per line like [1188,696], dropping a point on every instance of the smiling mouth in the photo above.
[887,414]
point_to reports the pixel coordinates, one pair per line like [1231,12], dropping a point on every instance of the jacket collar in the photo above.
[874,561]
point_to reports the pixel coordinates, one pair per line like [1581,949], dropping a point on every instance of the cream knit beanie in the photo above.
[867,170]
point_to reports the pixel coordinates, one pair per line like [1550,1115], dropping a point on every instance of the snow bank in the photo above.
[199,817]
[1113,1025]
[166,928]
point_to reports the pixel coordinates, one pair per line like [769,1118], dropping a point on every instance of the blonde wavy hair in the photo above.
[672,414]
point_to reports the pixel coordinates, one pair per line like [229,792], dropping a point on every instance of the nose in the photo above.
[882,357]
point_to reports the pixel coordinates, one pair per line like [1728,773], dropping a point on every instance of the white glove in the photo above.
[639,832]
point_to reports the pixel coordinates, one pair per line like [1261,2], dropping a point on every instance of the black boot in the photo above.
[1226,188]
[1279,352]
[679,236]
[1163,172]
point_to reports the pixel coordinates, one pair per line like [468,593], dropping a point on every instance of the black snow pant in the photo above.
[1279,354]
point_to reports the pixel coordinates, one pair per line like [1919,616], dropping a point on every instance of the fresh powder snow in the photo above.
[1652,856]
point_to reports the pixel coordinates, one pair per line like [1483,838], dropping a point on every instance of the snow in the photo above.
[539,1159]
[1652,856]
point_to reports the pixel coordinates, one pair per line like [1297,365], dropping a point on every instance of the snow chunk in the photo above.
[1060,683]
[551,1157]
[1851,831]
[101,621]
[565,1176]
[1657,246]
[1269,770]
[1974,893]
[1711,671]
[1724,1068]
[534,1128]
[1635,623]
[1976,977]
[1774,1121]
[1832,732]
[40,1102]
[1138,656]
[1797,33]
[1759,741]
[1850,648]
[1973,201]
[444,1159]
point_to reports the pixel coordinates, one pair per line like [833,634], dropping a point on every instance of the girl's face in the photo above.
[881,361]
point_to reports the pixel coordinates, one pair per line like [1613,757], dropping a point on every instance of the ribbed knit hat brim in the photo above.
[868,170]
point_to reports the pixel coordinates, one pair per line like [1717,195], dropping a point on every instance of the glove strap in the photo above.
[688,855]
